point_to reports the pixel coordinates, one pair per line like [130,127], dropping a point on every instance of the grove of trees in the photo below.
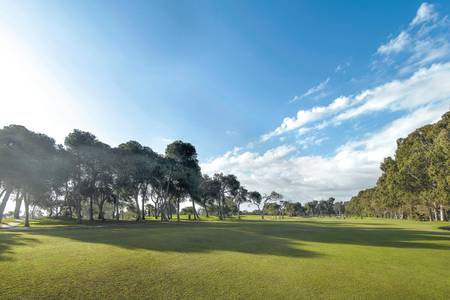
[416,182]
[87,179]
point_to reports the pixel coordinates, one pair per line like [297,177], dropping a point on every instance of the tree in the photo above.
[229,188]
[256,198]
[242,196]
[187,175]
[416,183]
[27,163]
[138,163]
[209,192]
[272,197]
[80,145]
[86,174]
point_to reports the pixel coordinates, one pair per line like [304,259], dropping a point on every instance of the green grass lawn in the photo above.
[250,259]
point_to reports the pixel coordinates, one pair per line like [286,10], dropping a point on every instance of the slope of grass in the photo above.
[248,259]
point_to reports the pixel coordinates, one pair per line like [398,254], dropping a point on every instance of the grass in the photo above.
[248,259]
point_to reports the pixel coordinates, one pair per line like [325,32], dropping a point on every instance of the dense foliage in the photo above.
[414,184]
[88,179]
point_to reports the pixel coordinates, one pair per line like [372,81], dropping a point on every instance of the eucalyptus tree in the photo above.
[256,198]
[137,166]
[81,145]
[13,146]
[339,208]
[414,162]
[186,176]
[229,187]
[273,208]
[310,207]
[18,204]
[415,183]
[30,157]
[209,192]
[242,197]
[268,198]
[219,177]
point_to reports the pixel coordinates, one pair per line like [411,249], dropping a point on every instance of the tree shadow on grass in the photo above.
[357,234]
[8,240]
[252,237]
[277,238]
[186,237]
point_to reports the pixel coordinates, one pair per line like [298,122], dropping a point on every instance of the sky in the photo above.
[302,97]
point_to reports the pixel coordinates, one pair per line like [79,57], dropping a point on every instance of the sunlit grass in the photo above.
[250,259]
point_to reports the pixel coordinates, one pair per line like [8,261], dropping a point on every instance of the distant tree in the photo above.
[187,177]
[242,196]
[256,198]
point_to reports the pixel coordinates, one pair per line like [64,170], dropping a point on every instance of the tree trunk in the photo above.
[196,216]
[143,207]
[220,207]
[101,215]
[138,211]
[239,211]
[117,207]
[178,210]
[114,209]
[18,205]
[169,209]
[442,212]
[27,210]
[91,209]
[206,211]
[156,213]
[4,201]
[163,207]
[79,216]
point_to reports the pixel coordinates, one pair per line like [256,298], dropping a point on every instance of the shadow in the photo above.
[8,240]
[277,238]
[358,234]
[184,237]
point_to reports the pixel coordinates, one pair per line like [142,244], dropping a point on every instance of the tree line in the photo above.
[88,179]
[416,182]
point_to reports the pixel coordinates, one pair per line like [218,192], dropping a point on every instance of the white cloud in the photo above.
[302,178]
[426,86]
[427,51]
[420,45]
[395,45]
[314,90]
[306,116]
[312,140]
[426,12]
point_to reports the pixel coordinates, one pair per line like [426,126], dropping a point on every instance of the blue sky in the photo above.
[303,97]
